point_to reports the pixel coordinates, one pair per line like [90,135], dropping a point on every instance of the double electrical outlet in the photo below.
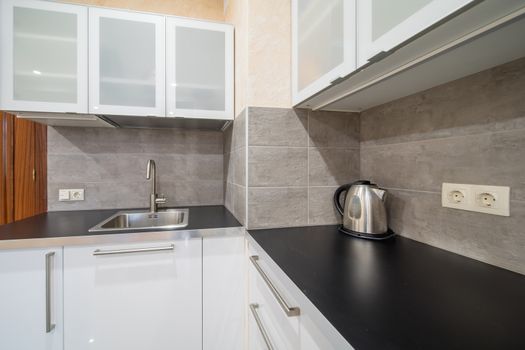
[69,195]
[484,199]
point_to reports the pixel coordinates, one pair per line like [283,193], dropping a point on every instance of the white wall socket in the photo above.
[69,195]
[484,199]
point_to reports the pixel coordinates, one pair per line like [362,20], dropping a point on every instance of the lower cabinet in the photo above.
[31,299]
[224,293]
[134,296]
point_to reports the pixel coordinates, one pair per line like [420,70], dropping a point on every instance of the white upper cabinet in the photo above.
[31,299]
[126,63]
[199,69]
[323,44]
[134,296]
[43,52]
[384,24]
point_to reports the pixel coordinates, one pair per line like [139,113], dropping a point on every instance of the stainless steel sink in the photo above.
[142,220]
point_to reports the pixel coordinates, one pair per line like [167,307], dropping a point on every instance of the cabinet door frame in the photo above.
[349,53]
[424,18]
[7,60]
[171,77]
[94,63]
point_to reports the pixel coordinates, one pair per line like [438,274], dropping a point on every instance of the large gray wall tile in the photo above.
[488,101]
[277,207]
[333,129]
[239,130]
[333,166]
[277,127]
[321,210]
[468,131]
[239,210]
[239,166]
[278,166]
[111,165]
[490,159]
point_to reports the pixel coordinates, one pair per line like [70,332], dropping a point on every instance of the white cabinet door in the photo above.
[31,299]
[44,64]
[384,24]
[323,44]
[134,296]
[126,63]
[224,292]
[199,69]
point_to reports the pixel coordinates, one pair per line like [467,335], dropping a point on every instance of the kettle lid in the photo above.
[362,182]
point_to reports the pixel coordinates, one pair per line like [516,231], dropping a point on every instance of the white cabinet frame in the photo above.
[414,24]
[7,58]
[347,66]
[94,65]
[171,79]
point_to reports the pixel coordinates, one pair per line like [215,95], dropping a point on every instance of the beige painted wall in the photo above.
[269,53]
[203,9]
[262,52]
[236,13]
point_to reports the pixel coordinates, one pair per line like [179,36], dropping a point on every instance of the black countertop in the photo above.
[399,293]
[77,223]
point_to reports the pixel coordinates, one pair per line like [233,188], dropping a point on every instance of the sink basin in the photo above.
[142,220]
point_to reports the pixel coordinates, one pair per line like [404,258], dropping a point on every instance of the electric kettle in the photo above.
[364,213]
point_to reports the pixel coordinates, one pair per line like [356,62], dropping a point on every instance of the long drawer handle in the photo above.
[133,250]
[253,309]
[49,259]
[288,310]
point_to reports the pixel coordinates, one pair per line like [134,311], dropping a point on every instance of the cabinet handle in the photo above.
[49,260]
[288,310]
[134,250]
[253,309]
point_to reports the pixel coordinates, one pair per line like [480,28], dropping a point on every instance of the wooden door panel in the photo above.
[41,168]
[23,168]
[25,189]
[6,168]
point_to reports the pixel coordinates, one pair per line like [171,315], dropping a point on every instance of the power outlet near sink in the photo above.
[493,200]
[71,195]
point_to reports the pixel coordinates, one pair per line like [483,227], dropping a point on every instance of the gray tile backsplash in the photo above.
[468,131]
[234,152]
[111,165]
[277,207]
[277,166]
[296,160]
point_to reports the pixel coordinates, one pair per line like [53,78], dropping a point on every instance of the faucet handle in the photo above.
[161,199]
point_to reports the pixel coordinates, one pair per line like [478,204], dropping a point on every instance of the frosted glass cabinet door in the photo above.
[323,44]
[134,296]
[126,63]
[384,24]
[43,56]
[30,308]
[199,67]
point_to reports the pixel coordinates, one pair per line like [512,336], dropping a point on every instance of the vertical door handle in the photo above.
[266,338]
[49,266]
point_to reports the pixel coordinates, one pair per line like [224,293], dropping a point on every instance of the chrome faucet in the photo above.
[154,198]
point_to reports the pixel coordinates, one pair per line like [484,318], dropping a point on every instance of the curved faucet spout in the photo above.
[151,174]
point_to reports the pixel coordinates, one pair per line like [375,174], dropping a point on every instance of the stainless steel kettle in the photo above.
[364,213]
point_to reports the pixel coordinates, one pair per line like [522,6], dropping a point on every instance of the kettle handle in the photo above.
[337,197]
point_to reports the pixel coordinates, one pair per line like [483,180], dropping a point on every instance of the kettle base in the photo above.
[378,237]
